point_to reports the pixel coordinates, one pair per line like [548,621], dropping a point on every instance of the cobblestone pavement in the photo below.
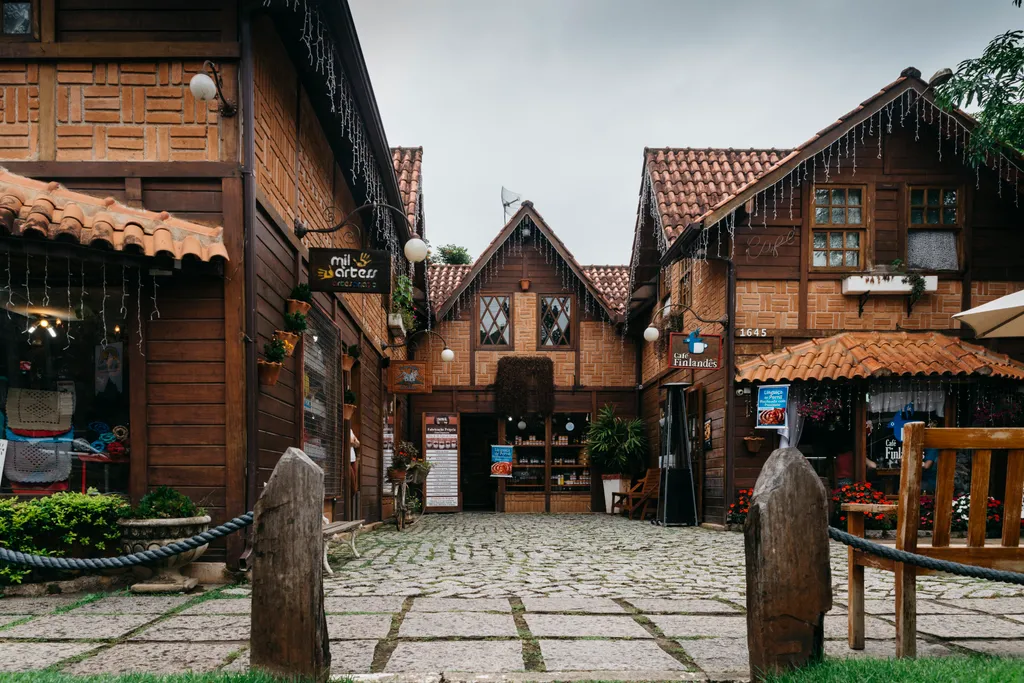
[530,597]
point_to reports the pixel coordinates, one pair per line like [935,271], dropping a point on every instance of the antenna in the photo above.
[509,199]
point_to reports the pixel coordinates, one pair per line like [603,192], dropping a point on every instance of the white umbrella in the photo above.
[1003,317]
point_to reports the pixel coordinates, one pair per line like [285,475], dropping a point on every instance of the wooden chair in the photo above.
[645,492]
[1004,554]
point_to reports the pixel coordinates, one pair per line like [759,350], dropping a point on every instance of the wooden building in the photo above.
[524,297]
[833,268]
[134,214]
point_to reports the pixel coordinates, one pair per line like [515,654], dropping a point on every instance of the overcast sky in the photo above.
[556,99]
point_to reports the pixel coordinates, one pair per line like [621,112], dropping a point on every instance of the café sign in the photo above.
[695,350]
[362,271]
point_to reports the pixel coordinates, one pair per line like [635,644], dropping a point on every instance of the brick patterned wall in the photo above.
[605,360]
[456,373]
[524,328]
[828,309]
[19,111]
[983,292]
[773,304]
[275,99]
[133,111]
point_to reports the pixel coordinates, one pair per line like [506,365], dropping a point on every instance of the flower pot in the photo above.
[347,362]
[165,575]
[296,306]
[268,372]
[524,285]
[396,476]
[613,483]
[350,408]
[753,443]
[290,339]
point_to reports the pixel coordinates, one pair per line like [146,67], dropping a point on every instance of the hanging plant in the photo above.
[914,279]
[402,303]
[349,355]
[301,299]
[350,404]
[269,367]
[522,380]
[294,326]
[821,411]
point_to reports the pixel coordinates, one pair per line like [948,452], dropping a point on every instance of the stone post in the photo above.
[289,627]
[789,586]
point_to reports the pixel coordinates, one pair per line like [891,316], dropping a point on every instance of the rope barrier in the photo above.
[144,557]
[890,553]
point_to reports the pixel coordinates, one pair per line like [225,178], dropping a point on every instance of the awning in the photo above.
[1003,317]
[878,354]
[48,210]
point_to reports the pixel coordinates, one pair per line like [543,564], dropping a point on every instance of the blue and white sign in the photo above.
[771,406]
[501,461]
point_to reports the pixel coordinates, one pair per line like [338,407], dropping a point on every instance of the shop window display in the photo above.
[64,376]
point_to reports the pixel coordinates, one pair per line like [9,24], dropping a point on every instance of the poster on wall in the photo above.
[108,367]
[707,434]
[387,452]
[771,406]
[409,377]
[695,351]
[363,271]
[441,448]
[501,461]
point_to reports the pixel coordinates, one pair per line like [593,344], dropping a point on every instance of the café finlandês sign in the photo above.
[695,350]
[362,271]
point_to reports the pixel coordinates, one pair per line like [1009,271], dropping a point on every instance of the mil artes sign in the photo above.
[695,351]
[363,271]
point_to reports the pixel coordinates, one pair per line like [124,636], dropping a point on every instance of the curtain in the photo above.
[925,399]
[790,436]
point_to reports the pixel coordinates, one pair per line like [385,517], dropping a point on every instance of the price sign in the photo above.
[441,447]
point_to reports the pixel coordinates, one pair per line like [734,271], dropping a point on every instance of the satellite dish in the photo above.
[510,199]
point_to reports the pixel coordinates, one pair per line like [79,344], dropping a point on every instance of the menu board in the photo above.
[441,447]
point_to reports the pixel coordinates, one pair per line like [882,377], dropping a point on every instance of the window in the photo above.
[838,235]
[495,321]
[556,322]
[686,285]
[17,18]
[933,233]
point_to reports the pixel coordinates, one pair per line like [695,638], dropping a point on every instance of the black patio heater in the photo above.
[677,505]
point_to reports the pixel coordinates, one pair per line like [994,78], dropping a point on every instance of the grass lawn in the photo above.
[929,670]
[54,677]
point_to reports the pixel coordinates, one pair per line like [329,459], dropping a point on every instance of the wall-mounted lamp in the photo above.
[521,425]
[415,249]
[447,355]
[652,333]
[206,88]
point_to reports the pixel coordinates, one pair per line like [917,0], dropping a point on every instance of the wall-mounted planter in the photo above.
[268,372]
[753,443]
[885,284]
[347,362]
[396,325]
[296,306]
[290,340]
[350,409]
[524,285]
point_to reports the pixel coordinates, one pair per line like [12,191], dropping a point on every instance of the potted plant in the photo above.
[269,367]
[294,326]
[399,467]
[162,517]
[350,403]
[349,355]
[617,447]
[524,284]
[753,443]
[301,299]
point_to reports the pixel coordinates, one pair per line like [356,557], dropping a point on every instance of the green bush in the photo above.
[73,524]
[166,503]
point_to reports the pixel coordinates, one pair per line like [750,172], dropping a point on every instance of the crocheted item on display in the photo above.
[39,410]
[38,462]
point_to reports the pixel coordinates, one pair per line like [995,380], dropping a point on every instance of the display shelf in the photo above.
[529,444]
[525,486]
[517,464]
[568,445]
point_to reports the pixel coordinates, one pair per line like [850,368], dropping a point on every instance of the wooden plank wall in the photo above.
[154,20]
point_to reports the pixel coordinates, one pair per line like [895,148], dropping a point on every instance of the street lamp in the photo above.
[415,248]
[652,333]
[447,355]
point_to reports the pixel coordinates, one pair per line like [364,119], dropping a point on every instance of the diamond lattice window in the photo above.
[555,321]
[495,321]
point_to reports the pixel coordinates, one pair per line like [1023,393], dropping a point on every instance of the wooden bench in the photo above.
[645,492]
[1004,553]
[332,529]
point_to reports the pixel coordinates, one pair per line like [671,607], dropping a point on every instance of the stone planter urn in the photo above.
[149,534]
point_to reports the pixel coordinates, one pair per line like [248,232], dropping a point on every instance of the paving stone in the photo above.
[351,656]
[585,626]
[369,604]
[36,605]
[883,649]
[887,608]
[236,591]
[724,657]
[198,628]
[69,627]
[32,656]
[11,618]
[837,627]
[460,605]
[677,626]
[134,604]
[607,655]
[584,605]
[969,626]
[156,658]
[221,606]
[1000,648]
[477,656]
[358,626]
[682,606]
[456,624]
[993,605]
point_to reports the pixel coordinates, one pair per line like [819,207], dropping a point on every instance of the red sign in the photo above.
[695,351]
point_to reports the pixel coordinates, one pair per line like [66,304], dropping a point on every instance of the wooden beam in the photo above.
[118,51]
[124,169]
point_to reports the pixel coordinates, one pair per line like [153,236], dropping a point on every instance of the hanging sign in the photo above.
[771,406]
[501,461]
[441,448]
[695,350]
[363,271]
[409,377]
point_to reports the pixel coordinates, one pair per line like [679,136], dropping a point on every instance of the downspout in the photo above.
[730,393]
[248,123]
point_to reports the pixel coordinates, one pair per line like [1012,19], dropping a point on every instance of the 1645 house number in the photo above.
[752,331]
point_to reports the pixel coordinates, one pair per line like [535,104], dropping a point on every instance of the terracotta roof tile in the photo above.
[874,354]
[408,163]
[612,282]
[689,181]
[30,206]
[442,279]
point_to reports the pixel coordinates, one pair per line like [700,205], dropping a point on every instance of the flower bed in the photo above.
[738,510]
[861,492]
